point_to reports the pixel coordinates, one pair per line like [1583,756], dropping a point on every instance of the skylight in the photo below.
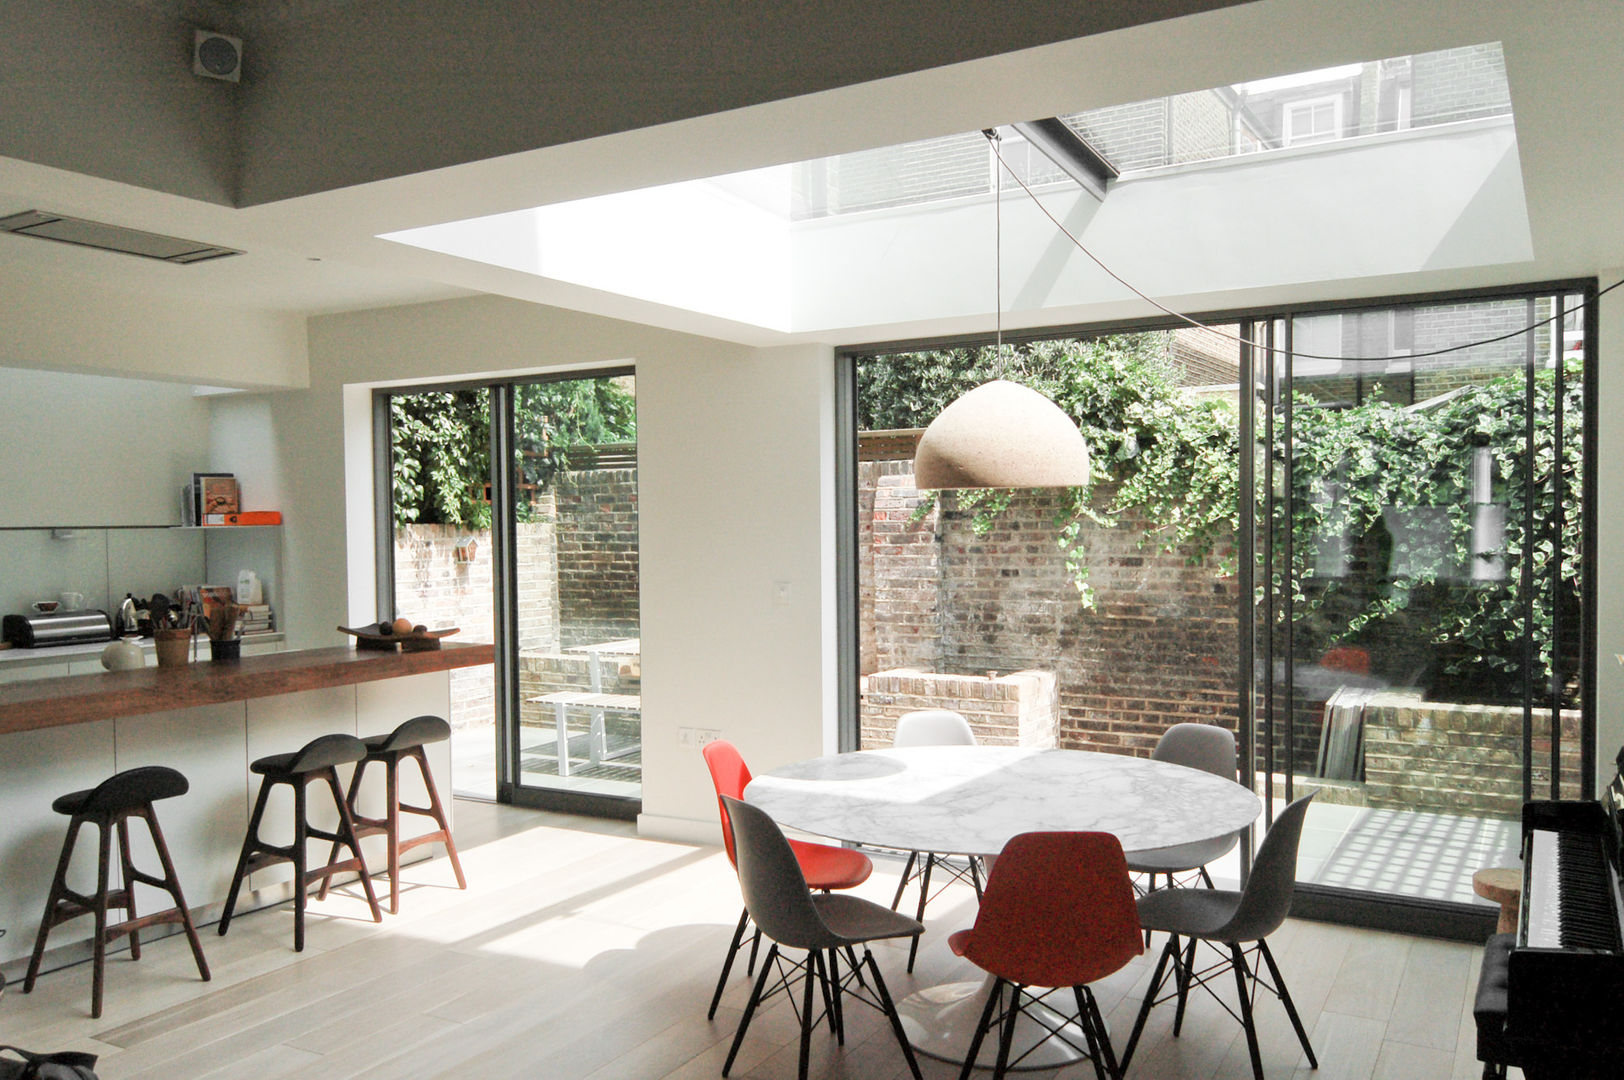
[1213,191]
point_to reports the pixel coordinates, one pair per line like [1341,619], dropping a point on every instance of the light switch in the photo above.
[780,594]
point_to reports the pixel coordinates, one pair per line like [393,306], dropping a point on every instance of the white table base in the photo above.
[941,1021]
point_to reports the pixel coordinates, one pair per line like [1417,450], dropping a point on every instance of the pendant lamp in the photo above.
[1001,434]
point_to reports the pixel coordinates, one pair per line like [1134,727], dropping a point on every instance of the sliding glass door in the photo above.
[513,516]
[1420,527]
[1356,537]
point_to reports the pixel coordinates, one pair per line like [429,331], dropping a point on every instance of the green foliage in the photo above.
[1152,448]
[1427,607]
[440,442]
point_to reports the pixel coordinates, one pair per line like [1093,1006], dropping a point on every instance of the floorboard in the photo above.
[581,952]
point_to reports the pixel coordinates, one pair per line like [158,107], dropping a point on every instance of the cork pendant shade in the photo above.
[1001,435]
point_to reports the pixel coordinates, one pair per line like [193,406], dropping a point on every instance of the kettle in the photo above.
[126,622]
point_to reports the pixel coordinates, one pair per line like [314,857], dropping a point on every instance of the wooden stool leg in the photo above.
[439,814]
[350,798]
[299,837]
[58,884]
[99,944]
[172,885]
[391,829]
[346,829]
[127,867]
[249,842]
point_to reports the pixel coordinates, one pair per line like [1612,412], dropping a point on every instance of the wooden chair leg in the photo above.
[99,943]
[350,799]
[59,884]
[439,815]
[127,869]
[300,825]
[807,1023]
[391,830]
[249,843]
[1238,962]
[902,882]
[919,915]
[750,1007]
[346,829]
[1170,950]
[889,1007]
[172,885]
[1285,999]
[727,965]
[987,1013]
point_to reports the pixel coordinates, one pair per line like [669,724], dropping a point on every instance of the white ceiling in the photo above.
[1562,64]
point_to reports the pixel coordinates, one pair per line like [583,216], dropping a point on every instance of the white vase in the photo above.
[123,655]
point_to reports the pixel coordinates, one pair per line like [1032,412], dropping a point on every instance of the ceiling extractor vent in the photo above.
[97,234]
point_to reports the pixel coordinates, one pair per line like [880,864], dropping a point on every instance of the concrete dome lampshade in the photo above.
[1001,435]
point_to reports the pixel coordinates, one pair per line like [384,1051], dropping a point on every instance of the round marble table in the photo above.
[971,800]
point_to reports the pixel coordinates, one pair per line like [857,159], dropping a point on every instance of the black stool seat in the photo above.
[417,731]
[316,761]
[124,791]
[109,806]
[406,741]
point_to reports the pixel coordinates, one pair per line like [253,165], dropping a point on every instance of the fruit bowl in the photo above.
[384,637]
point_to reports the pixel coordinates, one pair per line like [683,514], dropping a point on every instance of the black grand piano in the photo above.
[1550,997]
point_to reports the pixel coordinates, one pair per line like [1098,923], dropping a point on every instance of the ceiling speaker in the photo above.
[216,56]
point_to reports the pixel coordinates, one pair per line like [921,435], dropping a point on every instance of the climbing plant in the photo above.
[440,443]
[1397,544]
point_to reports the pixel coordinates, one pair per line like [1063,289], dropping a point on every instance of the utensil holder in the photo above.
[225,649]
[171,645]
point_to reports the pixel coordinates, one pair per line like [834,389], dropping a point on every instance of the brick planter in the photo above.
[1018,709]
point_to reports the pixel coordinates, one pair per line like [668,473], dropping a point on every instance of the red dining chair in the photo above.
[824,866]
[1057,911]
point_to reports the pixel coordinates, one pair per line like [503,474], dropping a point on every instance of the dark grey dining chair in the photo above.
[1228,921]
[822,924]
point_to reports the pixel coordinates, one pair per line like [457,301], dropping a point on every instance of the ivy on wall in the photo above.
[1398,548]
[440,444]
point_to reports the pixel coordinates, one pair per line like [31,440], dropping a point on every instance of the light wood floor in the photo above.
[580,951]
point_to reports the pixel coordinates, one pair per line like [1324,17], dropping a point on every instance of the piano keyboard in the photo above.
[1572,901]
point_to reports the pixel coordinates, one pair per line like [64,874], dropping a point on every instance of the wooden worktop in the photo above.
[78,699]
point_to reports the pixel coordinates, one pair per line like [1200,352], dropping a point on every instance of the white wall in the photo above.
[66,324]
[734,478]
[90,450]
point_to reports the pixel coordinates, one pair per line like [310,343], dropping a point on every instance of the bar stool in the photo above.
[406,741]
[317,760]
[109,806]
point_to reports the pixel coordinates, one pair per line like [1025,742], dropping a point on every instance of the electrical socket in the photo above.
[707,735]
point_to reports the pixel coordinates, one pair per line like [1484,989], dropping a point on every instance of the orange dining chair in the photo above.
[1057,911]
[824,866]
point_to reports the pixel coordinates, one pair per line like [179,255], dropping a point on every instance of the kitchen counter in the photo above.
[78,699]
[209,721]
[13,658]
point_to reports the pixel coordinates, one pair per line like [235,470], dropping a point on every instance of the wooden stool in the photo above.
[1503,885]
[316,760]
[109,806]
[406,741]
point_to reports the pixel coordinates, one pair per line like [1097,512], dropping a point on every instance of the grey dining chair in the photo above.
[822,924]
[1198,746]
[1227,921]
[932,727]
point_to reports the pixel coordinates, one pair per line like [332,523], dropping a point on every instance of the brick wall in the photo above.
[1017,709]
[1157,649]
[597,555]
[1128,136]
[1459,84]
[1458,759]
